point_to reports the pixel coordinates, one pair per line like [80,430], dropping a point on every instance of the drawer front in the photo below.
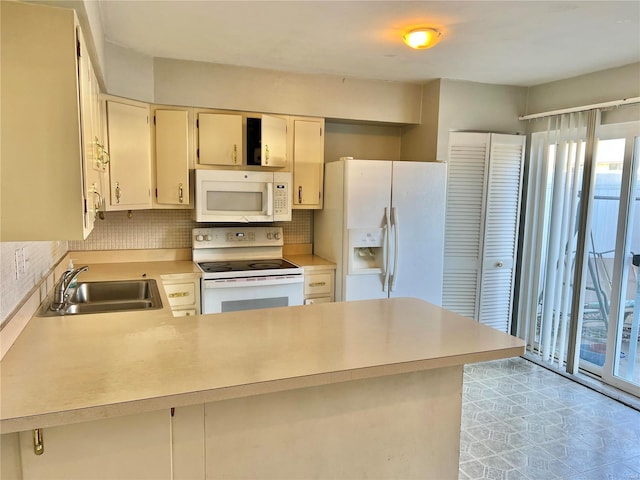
[318,283]
[184,313]
[181,294]
[311,301]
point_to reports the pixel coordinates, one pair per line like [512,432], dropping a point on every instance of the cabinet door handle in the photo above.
[38,441]
[180,193]
[266,154]
[100,204]
[317,284]
[300,194]
[235,153]
[118,192]
[178,294]
[102,156]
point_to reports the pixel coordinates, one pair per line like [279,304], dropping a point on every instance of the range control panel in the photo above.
[221,237]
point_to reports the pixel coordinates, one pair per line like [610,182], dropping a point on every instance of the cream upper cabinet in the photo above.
[130,155]
[43,191]
[220,139]
[308,163]
[172,142]
[273,141]
[94,153]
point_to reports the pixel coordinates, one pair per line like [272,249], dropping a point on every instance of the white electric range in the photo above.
[243,269]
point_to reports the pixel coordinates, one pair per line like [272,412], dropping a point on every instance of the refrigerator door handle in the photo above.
[386,248]
[396,251]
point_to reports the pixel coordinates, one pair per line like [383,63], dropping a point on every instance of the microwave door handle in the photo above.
[270,199]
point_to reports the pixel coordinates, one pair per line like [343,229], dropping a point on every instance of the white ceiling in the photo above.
[501,42]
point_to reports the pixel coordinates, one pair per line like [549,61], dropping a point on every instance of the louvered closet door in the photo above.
[502,213]
[468,160]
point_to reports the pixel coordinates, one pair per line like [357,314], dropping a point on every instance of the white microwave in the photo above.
[242,196]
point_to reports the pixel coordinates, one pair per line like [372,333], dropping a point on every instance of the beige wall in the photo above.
[596,87]
[199,84]
[372,142]
[179,82]
[420,142]
[479,107]
[130,74]
[456,105]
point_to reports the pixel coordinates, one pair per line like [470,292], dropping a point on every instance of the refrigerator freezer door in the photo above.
[367,194]
[418,199]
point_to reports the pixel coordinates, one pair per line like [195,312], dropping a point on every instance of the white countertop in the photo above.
[76,368]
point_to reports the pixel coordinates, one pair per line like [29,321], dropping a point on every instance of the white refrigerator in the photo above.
[383,225]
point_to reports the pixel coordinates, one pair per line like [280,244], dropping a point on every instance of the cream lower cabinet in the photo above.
[308,162]
[318,286]
[183,294]
[135,446]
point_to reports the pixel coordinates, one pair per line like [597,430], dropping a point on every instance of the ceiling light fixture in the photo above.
[420,38]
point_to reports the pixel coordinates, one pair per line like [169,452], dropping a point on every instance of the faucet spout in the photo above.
[61,291]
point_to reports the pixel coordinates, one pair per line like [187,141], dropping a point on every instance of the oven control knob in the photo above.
[199,238]
[208,238]
[269,236]
[276,236]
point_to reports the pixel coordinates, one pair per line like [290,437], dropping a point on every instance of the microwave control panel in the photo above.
[280,199]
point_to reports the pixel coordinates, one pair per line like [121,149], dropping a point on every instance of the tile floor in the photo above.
[521,421]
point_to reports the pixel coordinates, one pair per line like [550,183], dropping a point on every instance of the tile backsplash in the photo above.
[169,229]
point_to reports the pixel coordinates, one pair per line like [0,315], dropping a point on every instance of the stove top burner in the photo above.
[245,265]
[211,267]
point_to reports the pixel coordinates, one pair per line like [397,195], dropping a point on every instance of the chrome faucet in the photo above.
[60,294]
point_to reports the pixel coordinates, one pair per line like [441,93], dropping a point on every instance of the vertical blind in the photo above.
[550,245]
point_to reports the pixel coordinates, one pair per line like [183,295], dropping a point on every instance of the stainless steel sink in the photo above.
[103,297]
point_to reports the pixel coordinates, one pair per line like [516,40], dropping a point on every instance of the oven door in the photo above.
[236,294]
[234,196]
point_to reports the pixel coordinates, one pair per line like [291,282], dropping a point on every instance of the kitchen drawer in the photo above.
[184,313]
[311,301]
[181,294]
[318,283]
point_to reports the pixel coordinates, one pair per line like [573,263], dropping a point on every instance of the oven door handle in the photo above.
[252,282]
[270,199]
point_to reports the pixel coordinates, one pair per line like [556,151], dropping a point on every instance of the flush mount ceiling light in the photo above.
[420,38]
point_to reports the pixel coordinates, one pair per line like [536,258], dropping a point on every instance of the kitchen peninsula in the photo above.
[333,390]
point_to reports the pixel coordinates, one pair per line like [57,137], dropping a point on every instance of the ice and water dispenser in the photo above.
[367,251]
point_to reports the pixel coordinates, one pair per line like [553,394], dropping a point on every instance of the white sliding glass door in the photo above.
[579,285]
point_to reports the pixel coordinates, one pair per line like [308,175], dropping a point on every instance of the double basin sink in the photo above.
[104,297]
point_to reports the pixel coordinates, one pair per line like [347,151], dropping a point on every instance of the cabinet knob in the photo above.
[500,264]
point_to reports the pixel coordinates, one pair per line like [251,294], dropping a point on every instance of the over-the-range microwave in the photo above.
[242,196]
